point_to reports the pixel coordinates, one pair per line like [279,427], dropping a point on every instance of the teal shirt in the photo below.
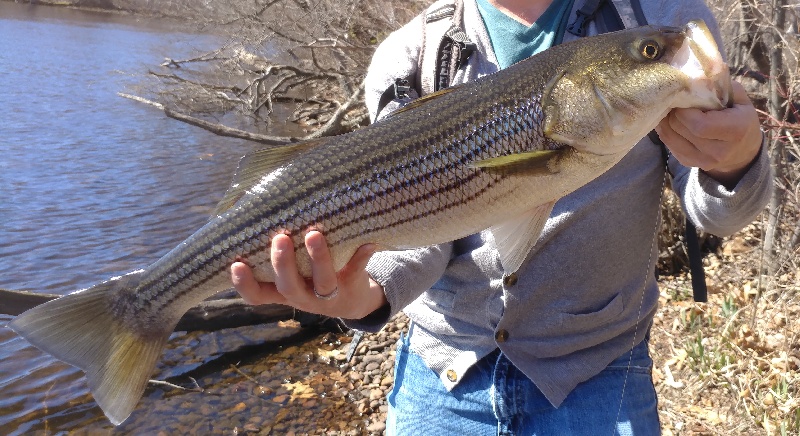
[513,41]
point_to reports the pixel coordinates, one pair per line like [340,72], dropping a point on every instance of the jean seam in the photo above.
[633,369]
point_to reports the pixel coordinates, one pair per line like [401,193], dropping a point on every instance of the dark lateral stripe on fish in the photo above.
[514,121]
[395,223]
[333,232]
[200,267]
[521,118]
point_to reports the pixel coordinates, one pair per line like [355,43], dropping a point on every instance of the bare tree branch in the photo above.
[216,128]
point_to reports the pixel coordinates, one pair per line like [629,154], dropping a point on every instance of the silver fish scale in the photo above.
[373,185]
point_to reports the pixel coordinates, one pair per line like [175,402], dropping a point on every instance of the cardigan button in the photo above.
[510,280]
[452,376]
[501,335]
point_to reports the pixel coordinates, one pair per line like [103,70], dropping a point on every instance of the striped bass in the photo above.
[494,153]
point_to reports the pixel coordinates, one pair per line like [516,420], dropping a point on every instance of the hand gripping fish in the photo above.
[494,153]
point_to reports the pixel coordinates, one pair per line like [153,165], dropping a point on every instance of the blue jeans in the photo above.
[495,398]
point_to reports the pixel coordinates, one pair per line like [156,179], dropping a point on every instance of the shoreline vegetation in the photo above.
[729,366]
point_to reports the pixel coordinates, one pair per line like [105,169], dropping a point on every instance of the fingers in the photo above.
[358,263]
[724,141]
[740,94]
[253,292]
[288,280]
[730,125]
[322,271]
[357,295]
[681,148]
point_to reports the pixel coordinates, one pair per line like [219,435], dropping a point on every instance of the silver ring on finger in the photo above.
[329,296]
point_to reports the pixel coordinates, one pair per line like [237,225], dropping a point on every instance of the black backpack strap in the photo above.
[586,13]
[454,51]
[446,47]
[630,13]
[698,274]
[608,16]
[699,288]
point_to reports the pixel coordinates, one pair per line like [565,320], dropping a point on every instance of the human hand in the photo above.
[722,143]
[357,294]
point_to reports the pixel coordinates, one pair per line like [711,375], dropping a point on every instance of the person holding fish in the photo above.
[506,199]
[560,345]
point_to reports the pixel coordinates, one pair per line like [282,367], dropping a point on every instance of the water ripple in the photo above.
[91,185]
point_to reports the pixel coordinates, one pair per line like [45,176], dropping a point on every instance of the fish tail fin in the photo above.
[81,329]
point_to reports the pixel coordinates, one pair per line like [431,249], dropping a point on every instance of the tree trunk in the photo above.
[778,92]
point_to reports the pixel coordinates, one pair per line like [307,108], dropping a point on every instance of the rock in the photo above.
[373,358]
[375,394]
[376,427]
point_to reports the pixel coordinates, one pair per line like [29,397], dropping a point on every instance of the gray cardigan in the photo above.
[587,293]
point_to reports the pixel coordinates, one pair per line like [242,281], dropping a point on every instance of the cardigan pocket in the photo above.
[567,332]
[577,322]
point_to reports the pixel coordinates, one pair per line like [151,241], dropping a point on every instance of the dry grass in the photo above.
[730,366]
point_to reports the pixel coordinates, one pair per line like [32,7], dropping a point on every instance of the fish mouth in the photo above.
[700,59]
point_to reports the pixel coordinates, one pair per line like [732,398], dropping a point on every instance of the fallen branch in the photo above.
[215,128]
[335,122]
[197,387]
[207,316]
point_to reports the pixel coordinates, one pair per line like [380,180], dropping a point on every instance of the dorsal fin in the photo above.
[255,165]
[422,100]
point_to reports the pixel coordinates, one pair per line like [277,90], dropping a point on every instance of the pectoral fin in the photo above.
[255,165]
[532,162]
[516,238]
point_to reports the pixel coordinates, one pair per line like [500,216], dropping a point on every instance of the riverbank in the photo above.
[726,367]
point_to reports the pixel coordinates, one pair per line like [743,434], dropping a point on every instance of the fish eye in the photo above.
[650,49]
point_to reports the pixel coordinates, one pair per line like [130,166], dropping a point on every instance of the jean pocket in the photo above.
[402,352]
[636,359]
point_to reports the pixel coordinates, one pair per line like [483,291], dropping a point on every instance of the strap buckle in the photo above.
[579,26]
[401,88]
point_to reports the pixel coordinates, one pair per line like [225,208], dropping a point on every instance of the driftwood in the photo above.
[215,128]
[207,316]
[332,126]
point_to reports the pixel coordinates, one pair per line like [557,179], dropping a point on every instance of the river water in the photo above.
[91,184]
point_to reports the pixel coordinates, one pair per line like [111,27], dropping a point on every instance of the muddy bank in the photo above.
[306,388]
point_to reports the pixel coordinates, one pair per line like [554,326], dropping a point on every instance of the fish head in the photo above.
[615,88]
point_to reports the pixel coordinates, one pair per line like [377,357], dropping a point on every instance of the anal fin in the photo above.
[515,238]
